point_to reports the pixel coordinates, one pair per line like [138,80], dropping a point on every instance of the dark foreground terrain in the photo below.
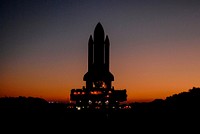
[179,113]
[99,122]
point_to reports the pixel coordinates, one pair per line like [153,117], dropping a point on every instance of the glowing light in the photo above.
[90,102]
[96,92]
[107,102]
[78,108]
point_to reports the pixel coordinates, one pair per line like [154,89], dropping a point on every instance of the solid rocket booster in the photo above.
[90,53]
[107,56]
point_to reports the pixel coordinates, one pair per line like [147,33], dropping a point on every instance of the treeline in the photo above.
[22,104]
[25,105]
[184,102]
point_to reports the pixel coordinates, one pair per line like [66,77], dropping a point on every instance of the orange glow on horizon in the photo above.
[142,83]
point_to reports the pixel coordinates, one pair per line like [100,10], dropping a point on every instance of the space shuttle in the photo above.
[98,92]
[98,60]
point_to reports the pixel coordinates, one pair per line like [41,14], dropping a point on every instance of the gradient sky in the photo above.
[154,52]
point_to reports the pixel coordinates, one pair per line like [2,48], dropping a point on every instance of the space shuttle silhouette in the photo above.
[99,92]
[98,60]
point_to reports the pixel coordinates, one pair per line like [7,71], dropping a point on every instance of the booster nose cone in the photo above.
[98,33]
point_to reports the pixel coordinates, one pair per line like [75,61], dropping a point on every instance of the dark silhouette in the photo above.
[184,102]
[99,92]
[176,112]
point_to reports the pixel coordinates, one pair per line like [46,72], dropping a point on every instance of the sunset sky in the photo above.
[154,46]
